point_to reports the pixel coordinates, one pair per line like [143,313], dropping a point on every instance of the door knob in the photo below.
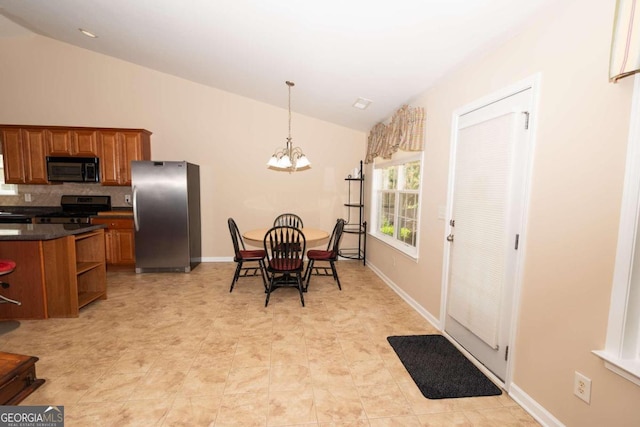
[450,238]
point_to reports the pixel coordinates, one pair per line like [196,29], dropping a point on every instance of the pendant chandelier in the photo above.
[289,158]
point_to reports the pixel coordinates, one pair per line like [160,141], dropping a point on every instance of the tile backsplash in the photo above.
[49,195]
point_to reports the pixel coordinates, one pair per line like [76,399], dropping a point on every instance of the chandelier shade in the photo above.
[289,158]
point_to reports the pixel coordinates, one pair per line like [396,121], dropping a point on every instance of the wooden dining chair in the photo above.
[285,247]
[242,256]
[330,256]
[288,219]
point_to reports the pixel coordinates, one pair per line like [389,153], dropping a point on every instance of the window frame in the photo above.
[399,158]
[622,349]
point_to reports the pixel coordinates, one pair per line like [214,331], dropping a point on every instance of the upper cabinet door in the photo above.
[13,156]
[34,143]
[84,142]
[132,149]
[109,157]
[118,149]
[75,142]
[24,155]
[59,142]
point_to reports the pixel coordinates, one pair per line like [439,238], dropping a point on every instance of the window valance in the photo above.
[404,132]
[625,43]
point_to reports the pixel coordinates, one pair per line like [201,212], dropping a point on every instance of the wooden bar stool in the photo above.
[6,267]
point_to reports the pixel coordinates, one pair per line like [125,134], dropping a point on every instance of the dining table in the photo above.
[313,236]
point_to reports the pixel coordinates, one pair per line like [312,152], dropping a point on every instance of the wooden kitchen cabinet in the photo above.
[55,277]
[118,149]
[25,149]
[35,147]
[59,142]
[76,142]
[24,152]
[119,241]
[13,156]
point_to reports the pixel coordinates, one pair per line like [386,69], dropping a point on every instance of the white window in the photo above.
[622,350]
[395,207]
[6,189]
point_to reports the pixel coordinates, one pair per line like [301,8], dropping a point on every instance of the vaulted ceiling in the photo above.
[335,51]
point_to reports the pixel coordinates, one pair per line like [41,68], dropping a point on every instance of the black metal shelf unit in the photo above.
[351,226]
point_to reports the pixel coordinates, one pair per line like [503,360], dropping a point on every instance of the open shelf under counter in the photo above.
[85,298]
[91,275]
[60,269]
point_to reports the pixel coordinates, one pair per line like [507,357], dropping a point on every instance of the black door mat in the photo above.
[439,369]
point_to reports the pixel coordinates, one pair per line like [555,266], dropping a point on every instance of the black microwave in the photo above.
[73,169]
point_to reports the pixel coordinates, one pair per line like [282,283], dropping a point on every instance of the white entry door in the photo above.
[486,205]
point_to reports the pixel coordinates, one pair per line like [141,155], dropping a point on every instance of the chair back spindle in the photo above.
[289,220]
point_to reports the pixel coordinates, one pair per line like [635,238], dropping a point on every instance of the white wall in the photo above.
[576,192]
[45,82]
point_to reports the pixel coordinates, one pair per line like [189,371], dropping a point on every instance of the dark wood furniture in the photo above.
[17,377]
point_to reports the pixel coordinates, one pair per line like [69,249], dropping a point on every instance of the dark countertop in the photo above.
[43,231]
[30,210]
[40,210]
[18,212]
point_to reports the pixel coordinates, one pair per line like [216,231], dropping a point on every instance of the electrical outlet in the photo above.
[582,387]
[127,198]
[27,197]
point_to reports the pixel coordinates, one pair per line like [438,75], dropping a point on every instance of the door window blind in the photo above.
[484,160]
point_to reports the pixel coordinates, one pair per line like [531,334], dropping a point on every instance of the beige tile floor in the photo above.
[175,349]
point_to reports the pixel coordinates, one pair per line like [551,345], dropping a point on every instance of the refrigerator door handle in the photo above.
[136,224]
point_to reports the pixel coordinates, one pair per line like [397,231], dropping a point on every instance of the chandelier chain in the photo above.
[289,84]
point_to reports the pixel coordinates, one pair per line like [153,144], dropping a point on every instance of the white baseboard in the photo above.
[217,259]
[417,307]
[536,410]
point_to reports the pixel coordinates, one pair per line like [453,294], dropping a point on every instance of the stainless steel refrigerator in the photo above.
[166,215]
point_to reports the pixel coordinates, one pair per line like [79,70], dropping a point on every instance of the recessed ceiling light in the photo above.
[362,103]
[88,33]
